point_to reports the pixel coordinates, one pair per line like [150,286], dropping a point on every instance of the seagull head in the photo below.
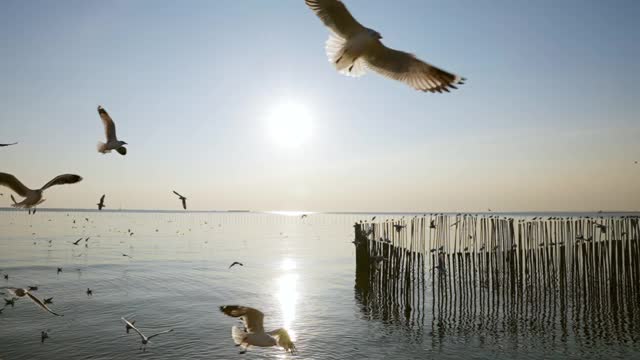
[374,34]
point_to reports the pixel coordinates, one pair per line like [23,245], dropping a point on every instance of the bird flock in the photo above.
[353,49]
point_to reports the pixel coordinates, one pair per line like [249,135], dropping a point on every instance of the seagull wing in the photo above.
[62,180]
[336,17]
[252,318]
[160,333]
[134,328]
[14,184]
[405,67]
[175,192]
[2,145]
[41,304]
[109,125]
[102,199]
[184,203]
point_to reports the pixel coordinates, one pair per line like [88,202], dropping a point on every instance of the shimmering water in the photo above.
[300,273]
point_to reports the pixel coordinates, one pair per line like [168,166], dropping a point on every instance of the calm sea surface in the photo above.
[299,272]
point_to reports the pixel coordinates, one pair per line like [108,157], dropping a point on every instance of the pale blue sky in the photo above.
[548,119]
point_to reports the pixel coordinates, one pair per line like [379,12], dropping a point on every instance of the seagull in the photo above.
[144,338]
[110,132]
[25,292]
[373,218]
[101,203]
[235,263]
[15,143]
[254,333]
[353,49]
[89,292]
[6,276]
[432,224]
[33,288]
[183,199]
[48,300]
[77,241]
[34,197]
[129,256]
[11,302]
[44,335]
[399,227]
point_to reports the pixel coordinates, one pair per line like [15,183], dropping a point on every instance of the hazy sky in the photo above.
[548,119]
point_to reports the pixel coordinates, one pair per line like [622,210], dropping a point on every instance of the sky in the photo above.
[547,121]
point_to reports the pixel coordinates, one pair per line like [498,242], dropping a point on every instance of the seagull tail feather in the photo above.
[238,335]
[102,148]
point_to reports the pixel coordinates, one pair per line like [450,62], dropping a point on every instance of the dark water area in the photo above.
[303,274]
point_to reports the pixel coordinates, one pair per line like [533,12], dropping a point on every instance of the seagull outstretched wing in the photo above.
[62,180]
[14,184]
[336,17]
[109,125]
[252,318]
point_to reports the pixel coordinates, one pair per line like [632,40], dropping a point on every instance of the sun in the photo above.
[289,124]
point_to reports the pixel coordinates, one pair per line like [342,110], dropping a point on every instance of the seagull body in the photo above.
[235,263]
[183,199]
[254,334]
[17,292]
[144,339]
[353,49]
[110,132]
[34,197]
[101,203]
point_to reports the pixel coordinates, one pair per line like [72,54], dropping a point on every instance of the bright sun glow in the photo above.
[288,294]
[289,124]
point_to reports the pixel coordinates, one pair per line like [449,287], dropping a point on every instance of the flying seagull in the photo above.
[110,132]
[399,227]
[48,300]
[34,197]
[3,145]
[183,199]
[254,333]
[353,49]
[235,263]
[77,241]
[128,327]
[101,203]
[145,339]
[25,292]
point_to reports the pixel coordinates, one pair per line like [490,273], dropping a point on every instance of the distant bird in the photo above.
[254,334]
[77,241]
[110,132]
[235,263]
[399,228]
[48,300]
[15,143]
[303,216]
[11,302]
[127,256]
[6,276]
[373,218]
[44,335]
[34,197]
[432,224]
[183,199]
[89,292]
[33,288]
[87,239]
[17,292]
[145,339]
[101,203]
[353,49]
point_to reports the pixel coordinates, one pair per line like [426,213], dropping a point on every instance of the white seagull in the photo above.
[34,197]
[145,339]
[16,292]
[353,49]
[110,132]
[254,333]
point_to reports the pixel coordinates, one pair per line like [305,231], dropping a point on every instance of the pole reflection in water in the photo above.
[557,277]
